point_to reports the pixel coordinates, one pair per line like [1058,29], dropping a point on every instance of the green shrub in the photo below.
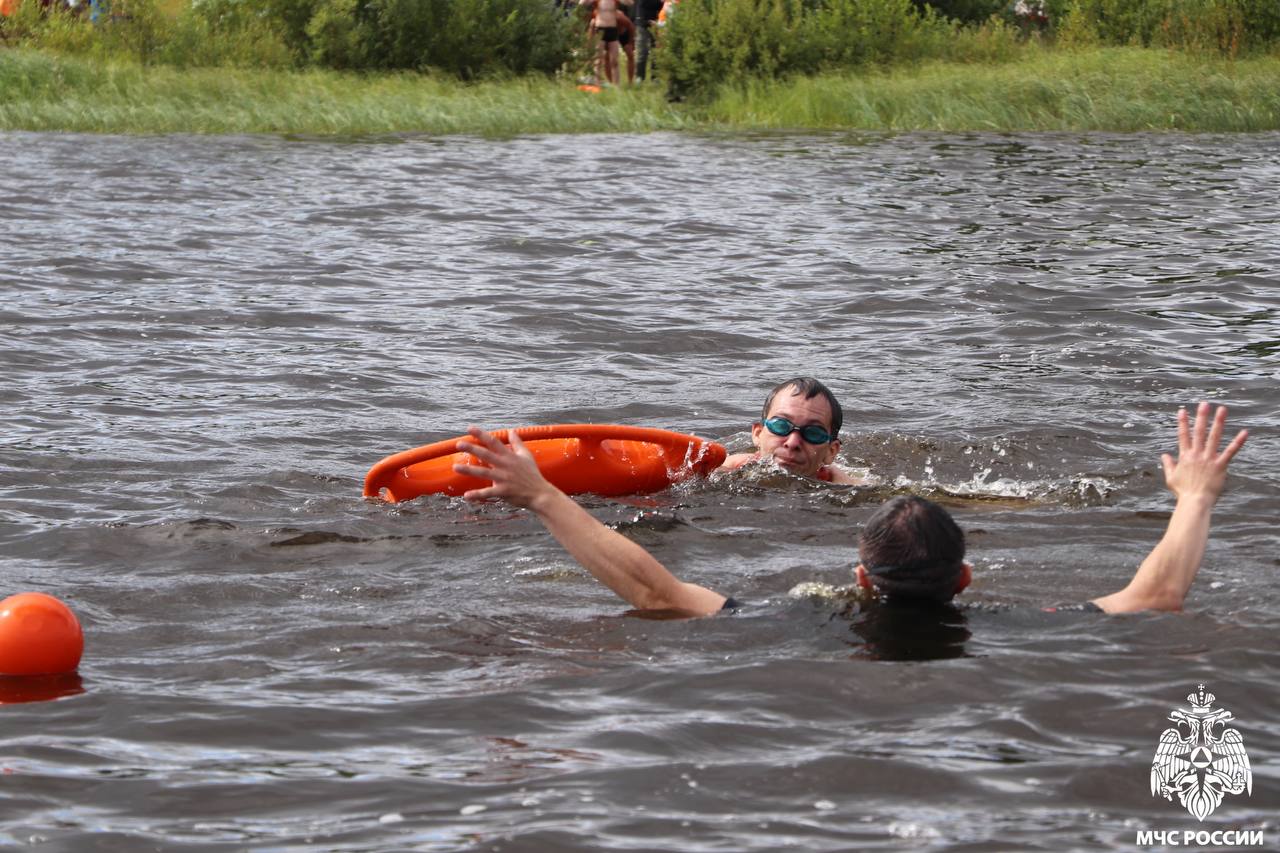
[402,33]
[994,41]
[1202,26]
[336,35]
[55,29]
[135,30]
[1262,20]
[228,33]
[290,18]
[18,26]
[1220,26]
[467,38]
[1124,22]
[710,42]
[856,33]
[1077,28]
[965,11]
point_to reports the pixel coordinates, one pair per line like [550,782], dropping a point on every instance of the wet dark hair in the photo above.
[910,629]
[913,548]
[809,388]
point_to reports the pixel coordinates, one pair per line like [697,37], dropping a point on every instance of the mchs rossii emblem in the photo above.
[1199,758]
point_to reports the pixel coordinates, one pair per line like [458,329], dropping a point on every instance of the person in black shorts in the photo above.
[910,549]
[605,23]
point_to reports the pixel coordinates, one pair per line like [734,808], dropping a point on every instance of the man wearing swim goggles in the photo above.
[798,431]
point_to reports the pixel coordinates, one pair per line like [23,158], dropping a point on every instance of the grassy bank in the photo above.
[1114,89]
[42,92]
[1118,89]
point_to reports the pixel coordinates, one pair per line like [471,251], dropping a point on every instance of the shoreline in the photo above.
[1095,89]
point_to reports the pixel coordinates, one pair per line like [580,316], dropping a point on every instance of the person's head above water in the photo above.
[799,426]
[912,548]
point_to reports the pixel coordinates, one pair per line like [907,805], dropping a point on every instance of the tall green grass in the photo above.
[1117,89]
[1105,89]
[710,43]
[43,92]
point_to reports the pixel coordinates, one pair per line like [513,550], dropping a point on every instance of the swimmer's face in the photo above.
[791,451]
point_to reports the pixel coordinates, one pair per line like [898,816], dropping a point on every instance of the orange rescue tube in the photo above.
[39,635]
[602,459]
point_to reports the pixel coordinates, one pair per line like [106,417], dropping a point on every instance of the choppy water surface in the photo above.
[207,342]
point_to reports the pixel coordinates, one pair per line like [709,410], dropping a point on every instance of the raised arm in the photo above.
[617,562]
[1196,478]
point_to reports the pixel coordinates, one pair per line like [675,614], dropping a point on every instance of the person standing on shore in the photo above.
[646,13]
[627,41]
[605,24]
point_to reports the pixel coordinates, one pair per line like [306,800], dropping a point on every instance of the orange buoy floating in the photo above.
[602,459]
[39,635]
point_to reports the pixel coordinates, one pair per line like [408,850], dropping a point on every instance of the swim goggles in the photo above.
[812,433]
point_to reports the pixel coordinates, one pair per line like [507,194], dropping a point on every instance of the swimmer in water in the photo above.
[910,549]
[799,430]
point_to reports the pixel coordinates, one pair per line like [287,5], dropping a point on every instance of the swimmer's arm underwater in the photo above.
[1196,479]
[617,562]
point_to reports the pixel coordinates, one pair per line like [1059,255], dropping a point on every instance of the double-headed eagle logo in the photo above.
[1200,759]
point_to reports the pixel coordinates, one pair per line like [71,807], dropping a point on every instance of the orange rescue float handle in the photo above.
[603,459]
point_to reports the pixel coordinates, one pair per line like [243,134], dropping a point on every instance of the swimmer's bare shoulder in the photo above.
[736,460]
[828,473]
[839,476]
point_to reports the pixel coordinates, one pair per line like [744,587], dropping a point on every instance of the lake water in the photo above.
[206,342]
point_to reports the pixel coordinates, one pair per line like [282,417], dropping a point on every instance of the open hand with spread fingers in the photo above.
[515,475]
[1200,468]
